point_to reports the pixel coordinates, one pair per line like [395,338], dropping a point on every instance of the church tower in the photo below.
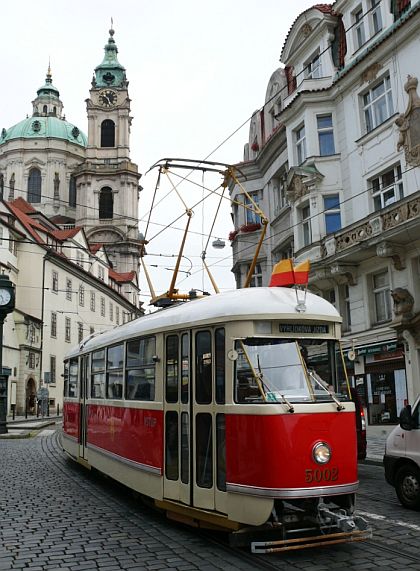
[108,182]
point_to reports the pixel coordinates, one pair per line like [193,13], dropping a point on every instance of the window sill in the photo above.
[376,131]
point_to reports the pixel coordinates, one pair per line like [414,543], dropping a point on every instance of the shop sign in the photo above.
[375,349]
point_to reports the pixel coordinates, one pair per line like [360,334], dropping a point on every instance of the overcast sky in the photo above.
[197,70]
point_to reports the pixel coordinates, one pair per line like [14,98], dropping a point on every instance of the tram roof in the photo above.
[261,303]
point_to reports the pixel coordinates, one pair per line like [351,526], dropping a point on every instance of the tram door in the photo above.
[194,429]
[84,363]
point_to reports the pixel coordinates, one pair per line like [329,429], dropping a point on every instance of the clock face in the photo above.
[5,296]
[107,98]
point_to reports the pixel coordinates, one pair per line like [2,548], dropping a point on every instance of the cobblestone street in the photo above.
[57,516]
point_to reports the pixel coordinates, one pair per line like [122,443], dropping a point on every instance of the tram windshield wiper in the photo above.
[284,400]
[314,378]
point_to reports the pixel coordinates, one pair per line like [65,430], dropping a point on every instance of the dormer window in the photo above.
[312,67]
[359,28]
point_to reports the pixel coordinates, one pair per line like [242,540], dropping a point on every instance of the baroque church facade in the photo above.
[74,179]
[69,238]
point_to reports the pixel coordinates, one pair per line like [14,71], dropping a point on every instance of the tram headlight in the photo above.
[321,453]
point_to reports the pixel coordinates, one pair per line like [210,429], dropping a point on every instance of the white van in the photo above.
[402,457]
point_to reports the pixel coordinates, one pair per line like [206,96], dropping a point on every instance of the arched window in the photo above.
[108,133]
[106,203]
[45,109]
[72,191]
[34,185]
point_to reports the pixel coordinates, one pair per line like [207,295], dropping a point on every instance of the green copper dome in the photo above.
[110,72]
[44,127]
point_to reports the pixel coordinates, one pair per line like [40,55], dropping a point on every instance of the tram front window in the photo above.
[269,370]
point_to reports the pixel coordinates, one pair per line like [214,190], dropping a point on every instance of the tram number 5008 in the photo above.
[321,475]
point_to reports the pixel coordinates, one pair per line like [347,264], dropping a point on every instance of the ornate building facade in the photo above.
[333,161]
[69,237]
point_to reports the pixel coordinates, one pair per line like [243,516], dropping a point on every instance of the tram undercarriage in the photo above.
[303,523]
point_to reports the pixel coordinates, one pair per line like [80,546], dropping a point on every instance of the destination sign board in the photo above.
[300,328]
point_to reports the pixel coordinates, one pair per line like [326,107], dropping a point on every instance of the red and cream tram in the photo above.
[229,412]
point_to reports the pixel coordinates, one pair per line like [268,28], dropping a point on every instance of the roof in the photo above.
[66,234]
[110,73]
[43,128]
[23,206]
[263,303]
[323,8]
[121,278]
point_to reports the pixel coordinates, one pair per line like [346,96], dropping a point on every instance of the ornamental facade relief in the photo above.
[408,124]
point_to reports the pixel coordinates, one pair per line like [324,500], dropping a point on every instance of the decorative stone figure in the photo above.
[403,303]
[408,124]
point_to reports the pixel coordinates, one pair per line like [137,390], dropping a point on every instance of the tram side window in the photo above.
[220,365]
[71,378]
[185,367]
[115,361]
[203,372]
[140,369]
[172,369]
[98,374]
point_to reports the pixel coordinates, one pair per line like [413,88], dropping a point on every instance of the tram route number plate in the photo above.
[321,475]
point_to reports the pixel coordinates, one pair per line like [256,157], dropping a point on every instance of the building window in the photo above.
[377,104]
[53,369]
[312,68]
[346,311]
[31,360]
[72,192]
[117,315]
[398,7]
[300,141]
[251,216]
[325,135]
[359,28]
[81,295]
[387,188]
[101,273]
[34,186]
[103,306]
[92,301]
[68,289]
[108,133]
[54,287]
[67,329]
[329,295]
[256,279]
[376,16]
[79,332]
[53,324]
[111,312]
[306,225]
[106,203]
[332,213]
[382,297]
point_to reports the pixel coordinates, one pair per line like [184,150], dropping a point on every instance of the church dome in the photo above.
[44,128]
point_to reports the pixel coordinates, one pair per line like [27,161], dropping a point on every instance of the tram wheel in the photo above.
[407,486]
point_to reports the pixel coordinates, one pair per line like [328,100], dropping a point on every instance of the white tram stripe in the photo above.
[378,517]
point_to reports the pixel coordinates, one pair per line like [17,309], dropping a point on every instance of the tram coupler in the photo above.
[340,519]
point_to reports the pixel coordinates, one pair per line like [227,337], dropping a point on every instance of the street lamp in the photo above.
[7,305]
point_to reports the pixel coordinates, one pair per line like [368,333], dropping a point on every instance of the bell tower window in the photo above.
[106,203]
[108,133]
[34,185]
[72,191]
[45,109]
